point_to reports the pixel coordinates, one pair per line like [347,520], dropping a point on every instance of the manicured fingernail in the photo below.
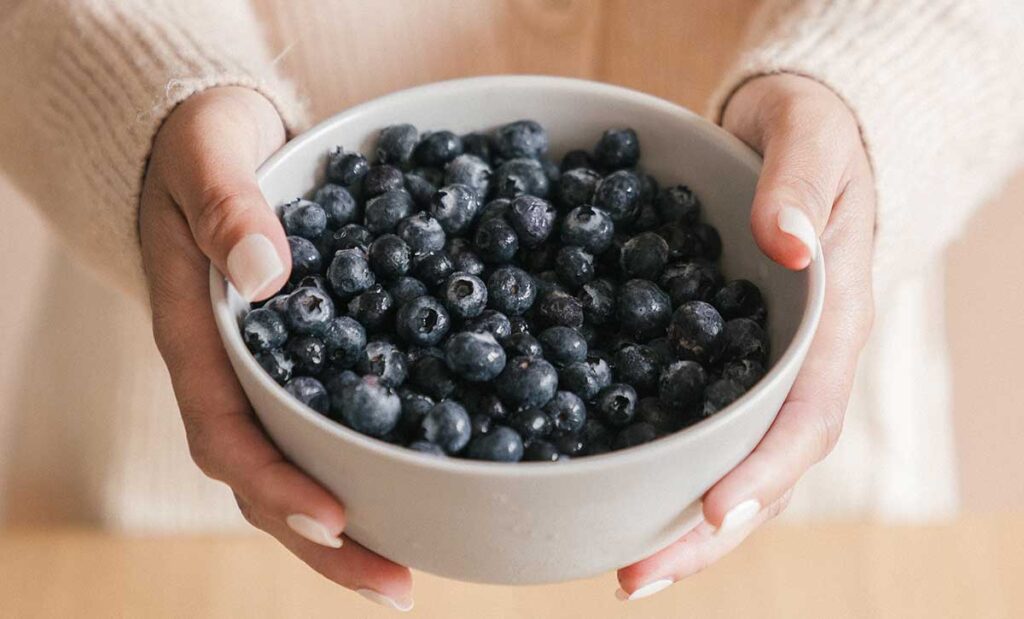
[252,264]
[794,222]
[739,516]
[645,591]
[404,605]
[313,530]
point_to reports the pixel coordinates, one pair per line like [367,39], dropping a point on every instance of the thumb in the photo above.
[808,139]
[206,156]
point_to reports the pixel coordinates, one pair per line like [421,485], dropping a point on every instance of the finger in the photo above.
[808,425]
[692,553]
[352,566]
[224,438]
[207,159]
[809,143]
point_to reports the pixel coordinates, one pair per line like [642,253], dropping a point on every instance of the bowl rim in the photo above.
[815,273]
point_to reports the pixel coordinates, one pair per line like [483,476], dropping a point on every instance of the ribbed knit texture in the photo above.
[936,86]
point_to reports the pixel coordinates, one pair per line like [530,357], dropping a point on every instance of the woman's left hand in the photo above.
[816,183]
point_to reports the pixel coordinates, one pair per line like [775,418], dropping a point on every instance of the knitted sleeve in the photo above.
[87,83]
[937,87]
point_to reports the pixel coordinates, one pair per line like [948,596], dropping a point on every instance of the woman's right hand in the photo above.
[201,204]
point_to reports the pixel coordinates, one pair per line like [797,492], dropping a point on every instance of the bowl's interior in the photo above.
[677,147]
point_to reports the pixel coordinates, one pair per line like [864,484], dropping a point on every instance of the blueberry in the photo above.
[517,177]
[263,329]
[598,300]
[617,148]
[740,299]
[278,363]
[405,289]
[576,159]
[480,424]
[574,266]
[495,209]
[305,258]
[336,379]
[745,339]
[437,148]
[367,406]
[652,411]
[345,169]
[344,339]
[586,378]
[745,372]
[697,331]
[385,211]
[644,256]
[647,218]
[588,227]
[636,434]
[454,207]
[422,233]
[720,394]
[374,308]
[469,170]
[681,385]
[619,195]
[474,356]
[389,256]
[434,268]
[490,321]
[308,310]
[531,423]
[570,445]
[559,308]
[683,242]
[430,374]
[422,321]
[541,451]
[478,144]
[464,259]
[483,401]
[501,444]
[709,240]
[523,138]
[447,426]
[576,187]
[533,219]
[551,171]
[496,241]
[277,303]
[597,439]
[426,447]
[643,309]
[511,290]
[351,236]
[616,404]
[421,190]
[639,366]
[527,382]
[678,204]
[303,218]
[540,257]
[385,361]
[396,143]
[350,273]
[314,281]
[465,295]
[519,324]
[567,412]
[689,281]
[308,352]
[548,282]
[310,392]
[523,345]
[649,190]
[563,345]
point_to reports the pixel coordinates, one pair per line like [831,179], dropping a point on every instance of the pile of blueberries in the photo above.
[466,296]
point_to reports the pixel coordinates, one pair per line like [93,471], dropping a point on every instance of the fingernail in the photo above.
[739,516]
[313,530]
[252,264]
[794,222]
[645,591]
[404,605]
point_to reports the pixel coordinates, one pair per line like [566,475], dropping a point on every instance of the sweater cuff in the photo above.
[115,76]
[924,79]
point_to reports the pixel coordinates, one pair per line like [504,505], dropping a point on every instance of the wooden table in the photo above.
[971,568]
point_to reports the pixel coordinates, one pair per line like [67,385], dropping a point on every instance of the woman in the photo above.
[136,128]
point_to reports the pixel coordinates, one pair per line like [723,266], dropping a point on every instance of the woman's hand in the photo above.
[201,204]
[816,183]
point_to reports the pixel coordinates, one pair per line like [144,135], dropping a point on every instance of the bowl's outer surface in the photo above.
[535,522]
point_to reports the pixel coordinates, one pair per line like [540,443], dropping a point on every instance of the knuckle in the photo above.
[222,211]
[828,427]
[198,443]
[780,505]
[248,511]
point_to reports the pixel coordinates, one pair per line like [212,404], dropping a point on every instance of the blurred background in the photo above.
[66,337]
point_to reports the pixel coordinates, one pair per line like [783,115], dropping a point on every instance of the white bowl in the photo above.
[537,522]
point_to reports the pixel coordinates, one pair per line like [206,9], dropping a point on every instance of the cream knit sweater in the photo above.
[936,85]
